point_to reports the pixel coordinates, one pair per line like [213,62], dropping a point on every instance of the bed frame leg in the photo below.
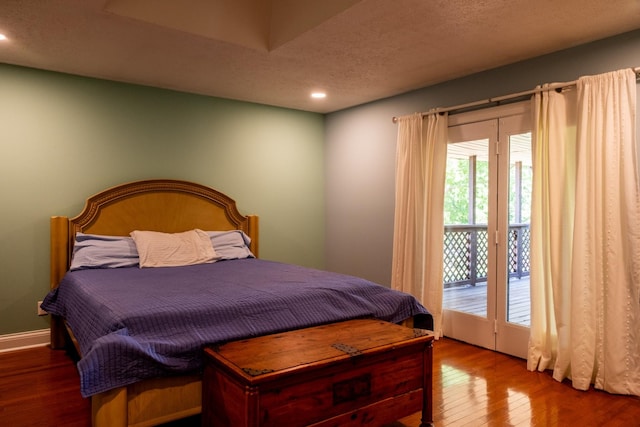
[58,265]
[109,409]
[57,336]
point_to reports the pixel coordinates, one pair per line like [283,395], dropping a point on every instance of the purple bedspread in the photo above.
[134,323]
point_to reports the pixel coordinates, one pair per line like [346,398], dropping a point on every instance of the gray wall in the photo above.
[64,138]
[360,147]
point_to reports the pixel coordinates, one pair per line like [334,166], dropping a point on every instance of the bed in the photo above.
[94,308]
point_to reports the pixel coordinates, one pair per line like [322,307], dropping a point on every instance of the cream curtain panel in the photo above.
[421,155]
[585,235]
[552,212]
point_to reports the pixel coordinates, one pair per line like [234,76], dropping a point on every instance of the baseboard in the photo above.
[22,340]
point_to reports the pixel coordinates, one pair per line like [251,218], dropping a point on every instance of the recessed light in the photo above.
[318,95]
[2,37]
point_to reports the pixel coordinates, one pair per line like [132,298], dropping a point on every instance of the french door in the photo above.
[486,245]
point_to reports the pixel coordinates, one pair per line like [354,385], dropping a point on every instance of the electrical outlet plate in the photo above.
[41,312]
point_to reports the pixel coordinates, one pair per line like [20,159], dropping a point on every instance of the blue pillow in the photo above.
[232,244]
[96,251]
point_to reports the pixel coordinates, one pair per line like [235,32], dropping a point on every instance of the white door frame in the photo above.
[492,332]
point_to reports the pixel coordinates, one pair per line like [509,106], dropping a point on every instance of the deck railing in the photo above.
[466,253]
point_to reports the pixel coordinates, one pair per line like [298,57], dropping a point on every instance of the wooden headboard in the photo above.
[164,205]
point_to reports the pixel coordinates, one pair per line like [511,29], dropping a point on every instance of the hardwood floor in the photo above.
[477,387]
[472,387]
[40,387]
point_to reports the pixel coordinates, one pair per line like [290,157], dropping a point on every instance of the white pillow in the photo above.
[157,249]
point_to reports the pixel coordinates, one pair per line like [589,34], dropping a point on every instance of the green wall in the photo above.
[64,138]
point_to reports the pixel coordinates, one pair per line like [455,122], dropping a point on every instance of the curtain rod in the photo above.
[552,86]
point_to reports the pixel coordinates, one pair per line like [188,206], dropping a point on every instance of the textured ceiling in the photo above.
[277,52]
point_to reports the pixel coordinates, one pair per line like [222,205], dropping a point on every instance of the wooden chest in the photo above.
[357,372]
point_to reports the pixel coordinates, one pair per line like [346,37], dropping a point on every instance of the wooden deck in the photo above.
[473,299]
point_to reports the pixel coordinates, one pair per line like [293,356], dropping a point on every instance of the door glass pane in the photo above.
[465,234]
[520,182]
